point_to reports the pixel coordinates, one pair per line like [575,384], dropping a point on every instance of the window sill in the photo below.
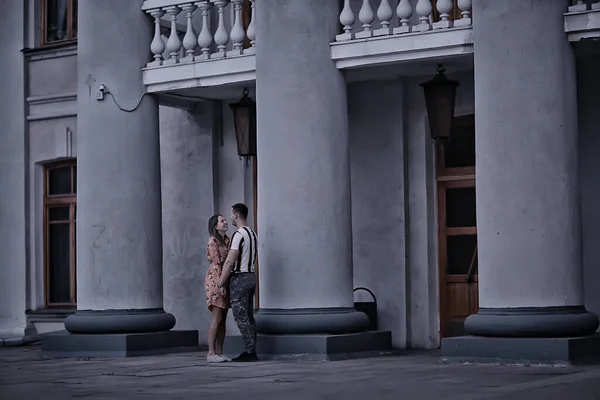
[51,51]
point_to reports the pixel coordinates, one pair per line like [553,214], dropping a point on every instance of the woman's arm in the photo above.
[212,252]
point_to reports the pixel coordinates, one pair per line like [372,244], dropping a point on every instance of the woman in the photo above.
[216,252]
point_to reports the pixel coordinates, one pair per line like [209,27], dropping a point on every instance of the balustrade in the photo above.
[582,5]
[422,11]
[234,35]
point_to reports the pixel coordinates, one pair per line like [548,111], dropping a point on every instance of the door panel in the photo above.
[457,228]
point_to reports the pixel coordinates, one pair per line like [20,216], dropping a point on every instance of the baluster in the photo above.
[205,38]
[384,14]
[173,43]
[444,7]
[404,12]
[347,19]
[251,32]
[157,47]
[237,31]
[190,41]
[366,16]
[465,7]
[424,10]
[221,35]
[578,6]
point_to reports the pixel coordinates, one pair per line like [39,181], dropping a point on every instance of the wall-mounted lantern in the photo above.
[440,99]
[244,117]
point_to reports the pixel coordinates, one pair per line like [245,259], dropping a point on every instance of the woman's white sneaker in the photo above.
[215,358]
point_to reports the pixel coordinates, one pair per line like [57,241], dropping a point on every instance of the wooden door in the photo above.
[255,210]
[457,227]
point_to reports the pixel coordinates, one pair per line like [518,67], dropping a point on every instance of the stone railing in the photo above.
[233,36]
[582,5]
[582,20]
[422,9]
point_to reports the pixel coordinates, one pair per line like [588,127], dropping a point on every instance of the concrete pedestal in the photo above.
[119,236]
[528,207]
[304,214]
[525,351]
[315,347]
[65,344]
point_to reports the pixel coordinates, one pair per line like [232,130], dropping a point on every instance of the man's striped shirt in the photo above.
[244,240]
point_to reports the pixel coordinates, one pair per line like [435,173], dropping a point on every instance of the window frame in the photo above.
[50,201]
[442,173]
[455,14]
[44,25]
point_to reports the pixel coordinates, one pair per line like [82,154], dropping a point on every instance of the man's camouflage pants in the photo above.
[242,288]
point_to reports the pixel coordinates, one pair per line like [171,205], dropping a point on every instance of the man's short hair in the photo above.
[241,209]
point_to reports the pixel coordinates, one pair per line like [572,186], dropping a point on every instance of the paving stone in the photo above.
[25,374]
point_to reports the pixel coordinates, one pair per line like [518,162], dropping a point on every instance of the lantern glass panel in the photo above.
[440,102]
[242,119]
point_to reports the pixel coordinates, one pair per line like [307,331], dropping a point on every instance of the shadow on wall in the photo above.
[588,88]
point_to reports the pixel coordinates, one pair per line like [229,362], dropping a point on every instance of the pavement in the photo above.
[25,374]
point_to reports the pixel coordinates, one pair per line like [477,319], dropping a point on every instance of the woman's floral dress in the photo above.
[216,254]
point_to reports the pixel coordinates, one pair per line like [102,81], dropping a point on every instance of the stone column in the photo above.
[13,162]
[304,215]
[119,235]
[528,208]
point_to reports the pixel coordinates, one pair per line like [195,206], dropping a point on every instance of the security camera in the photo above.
[102,90]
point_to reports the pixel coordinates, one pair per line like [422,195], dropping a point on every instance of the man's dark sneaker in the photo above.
[246,357]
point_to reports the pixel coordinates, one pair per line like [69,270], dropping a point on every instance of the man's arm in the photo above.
[228,266]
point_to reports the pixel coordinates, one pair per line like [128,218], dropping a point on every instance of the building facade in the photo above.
[106,193]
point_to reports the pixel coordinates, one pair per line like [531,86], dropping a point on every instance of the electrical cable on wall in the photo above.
[124,109]
[103,90]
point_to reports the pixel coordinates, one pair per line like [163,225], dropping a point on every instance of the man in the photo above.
[240,264]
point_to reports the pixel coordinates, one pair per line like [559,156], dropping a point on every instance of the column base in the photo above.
[64,344]
[310,320]
[119,321]
[522,351]
[540,322]
[8,334]
[316,347]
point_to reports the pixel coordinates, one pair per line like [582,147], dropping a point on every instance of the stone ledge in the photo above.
[64,344]
[527,351]
[316,347]
[49,315]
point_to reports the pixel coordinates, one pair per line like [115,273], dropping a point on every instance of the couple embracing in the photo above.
[230,282]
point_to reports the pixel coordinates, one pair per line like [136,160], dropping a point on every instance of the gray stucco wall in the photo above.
[375,112]
[588,86]
[52,132]
[186,140]
[394,216]
[13,158]
[49,140]
[423,307]
[233,177]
